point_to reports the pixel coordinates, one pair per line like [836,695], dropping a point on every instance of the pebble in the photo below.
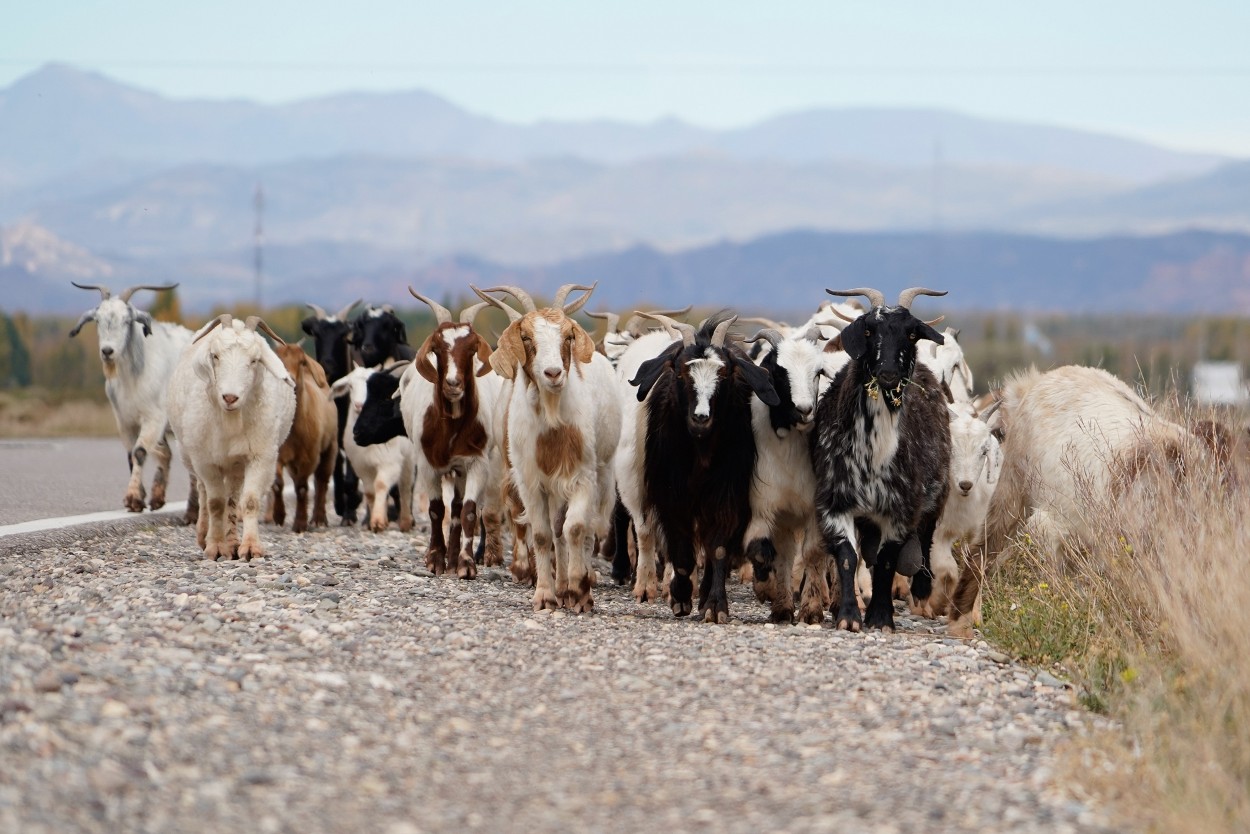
[338,686]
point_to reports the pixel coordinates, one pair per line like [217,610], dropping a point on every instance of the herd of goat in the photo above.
[840,463]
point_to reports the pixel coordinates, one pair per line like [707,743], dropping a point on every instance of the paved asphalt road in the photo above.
[69,476]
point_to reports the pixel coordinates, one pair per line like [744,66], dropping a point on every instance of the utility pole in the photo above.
[258,203]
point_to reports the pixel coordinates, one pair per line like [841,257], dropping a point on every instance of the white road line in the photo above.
[39,525]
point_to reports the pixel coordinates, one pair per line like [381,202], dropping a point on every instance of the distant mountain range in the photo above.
[782,275]
[366,192]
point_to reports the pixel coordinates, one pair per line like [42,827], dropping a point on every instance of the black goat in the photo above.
[379,335]
[700,455]
[330,347]
[881,456]
[380,418]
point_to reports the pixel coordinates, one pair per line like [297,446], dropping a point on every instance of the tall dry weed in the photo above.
[1165,578]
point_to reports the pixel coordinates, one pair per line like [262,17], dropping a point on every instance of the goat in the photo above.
[312,447]
[881,454]
[380,466]
[783,510]
[976,462]
[330,335]
[448,407]
[138,354]
[379,336]
[1068,435]
[231,402]
[699,456]
[947,363]
[563,426]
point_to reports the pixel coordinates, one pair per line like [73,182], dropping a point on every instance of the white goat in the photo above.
[231,403]
[564,422]
[138,355]
[381,465]
[947,363]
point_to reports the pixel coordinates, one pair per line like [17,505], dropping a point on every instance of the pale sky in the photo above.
[1174,73]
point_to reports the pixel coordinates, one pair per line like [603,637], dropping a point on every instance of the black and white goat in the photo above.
[699,456]
[881,455]
[330,335]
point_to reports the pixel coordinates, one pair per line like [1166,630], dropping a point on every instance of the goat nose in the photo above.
[553,373]
[965,486]
[230,399]
[889,377]
[702,418]
[803,410]
[107,351]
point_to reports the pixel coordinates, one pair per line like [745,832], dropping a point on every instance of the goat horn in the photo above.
[907,296]
[766,322]
[988,412]
[513,315]
[468,314]
[685,332]
[875,298]
[342,314]
[225,320]
[321,313]
[104,291]
[936,321]
[441,313]
[815,334]
[774,338]
[842,315]
[125,294]
[519,294]
[563,293]
[612,319]
[253,322]
[722,329]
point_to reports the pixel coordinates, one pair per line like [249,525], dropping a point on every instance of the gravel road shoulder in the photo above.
[336,686]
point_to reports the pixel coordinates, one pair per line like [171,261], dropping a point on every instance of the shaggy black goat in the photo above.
[378,335]
[700,455]
[881,454]
[330,348]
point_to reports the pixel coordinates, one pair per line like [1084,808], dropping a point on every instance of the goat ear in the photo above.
[854,341]
[274,365]
[340,388]
[510,354]
[307,326]
[583,345]
[422,360]
[203,366]
[759,379]
[649,372]
[401,332]
[145,321]
[314,368]
[924,331]
[483,355]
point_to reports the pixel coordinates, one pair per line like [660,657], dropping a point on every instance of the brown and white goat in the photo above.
[564,421]
[448,399]
[312,446]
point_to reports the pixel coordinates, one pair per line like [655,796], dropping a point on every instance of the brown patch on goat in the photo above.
[558,451]
[514,351]
[443,439]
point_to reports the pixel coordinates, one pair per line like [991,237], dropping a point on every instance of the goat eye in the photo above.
[911,336]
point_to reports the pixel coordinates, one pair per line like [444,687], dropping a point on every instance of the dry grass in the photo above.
[34,413]
[1151,620]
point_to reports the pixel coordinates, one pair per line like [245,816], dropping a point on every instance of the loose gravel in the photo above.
[338,686]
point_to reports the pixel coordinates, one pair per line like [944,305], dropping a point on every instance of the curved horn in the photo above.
[224,320]
[572,307]
[988,412]
[936,321]
[86,317]
[907,296]
[815,334]
[519,294]
[680,329]
[875,298]
[342,314]
[321,314]
[613,320]
[125,294]
[765,322]
[468,314]
[104,291]
[513,315]
[254,322]
[774,338]
[441,313]
[722,329]
[842,315]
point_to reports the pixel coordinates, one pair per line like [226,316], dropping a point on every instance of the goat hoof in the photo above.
[880,618]
[809,616]
[405,524]
[762,592]
[681,609]
[784,617]
[545,601]
[467,569]
[849,618]
[647,593]
[134,503]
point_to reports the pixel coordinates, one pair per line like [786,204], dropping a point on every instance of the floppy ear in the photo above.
[274,365]
[340,388]
[422,360]
[854,342]
[145,321]
[649,372]
[86,317]
[314,368]
[924,331]
[483,355]
[759,379]
[203,367]
[583,345]
[510,354]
